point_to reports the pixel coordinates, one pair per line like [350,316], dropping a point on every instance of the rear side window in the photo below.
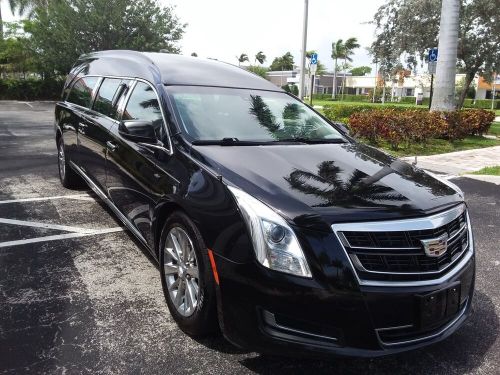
[81,92]
[107,97]
[143,104]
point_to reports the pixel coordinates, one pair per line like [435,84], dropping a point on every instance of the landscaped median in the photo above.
[416,131]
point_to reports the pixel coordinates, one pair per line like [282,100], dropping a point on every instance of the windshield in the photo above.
[213,113]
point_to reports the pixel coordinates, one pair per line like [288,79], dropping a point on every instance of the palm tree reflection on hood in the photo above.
[328,186]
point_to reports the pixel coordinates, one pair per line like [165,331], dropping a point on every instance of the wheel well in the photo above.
[58,135]
[162,215]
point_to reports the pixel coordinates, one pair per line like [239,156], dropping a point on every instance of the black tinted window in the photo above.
[143,105]
[81,92]
[107,96]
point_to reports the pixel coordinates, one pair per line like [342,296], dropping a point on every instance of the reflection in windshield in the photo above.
[214,113]
[329,186]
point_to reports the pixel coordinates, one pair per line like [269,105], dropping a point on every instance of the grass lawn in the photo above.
[441,146]
[495,129]
[494,171]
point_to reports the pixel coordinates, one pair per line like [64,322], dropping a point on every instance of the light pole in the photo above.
[303,55]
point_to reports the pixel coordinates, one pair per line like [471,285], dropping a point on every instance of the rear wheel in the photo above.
[69,178]
[188,284]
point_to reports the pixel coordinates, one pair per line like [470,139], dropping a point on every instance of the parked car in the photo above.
[268,222]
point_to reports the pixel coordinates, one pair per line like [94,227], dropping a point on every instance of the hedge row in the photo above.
[342,112]
[30,89]
[417,126]
[483,103]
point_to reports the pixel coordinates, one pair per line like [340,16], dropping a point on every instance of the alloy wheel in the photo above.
[61,160]
[181,271]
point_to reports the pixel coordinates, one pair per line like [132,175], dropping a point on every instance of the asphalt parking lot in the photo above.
[79,295]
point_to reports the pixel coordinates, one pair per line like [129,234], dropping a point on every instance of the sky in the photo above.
[223,29]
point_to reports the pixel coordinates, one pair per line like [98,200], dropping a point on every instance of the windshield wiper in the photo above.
[311,140]
[226,142]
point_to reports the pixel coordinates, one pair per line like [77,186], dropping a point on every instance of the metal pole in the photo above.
[312,91]
[493,94]
[432,90]
[303,56]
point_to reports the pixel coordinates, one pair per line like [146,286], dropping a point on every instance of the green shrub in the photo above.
[322,96]
[417,126]
[342,112]
[31,89]
[355,98]
[480,103]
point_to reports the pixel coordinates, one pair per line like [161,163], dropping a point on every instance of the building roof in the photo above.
[171,69]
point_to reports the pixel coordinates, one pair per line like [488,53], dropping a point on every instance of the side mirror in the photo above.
[138,131]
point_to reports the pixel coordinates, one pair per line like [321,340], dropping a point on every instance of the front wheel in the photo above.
[188,284]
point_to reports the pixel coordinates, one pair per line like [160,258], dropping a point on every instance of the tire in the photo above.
[69,178]
[195,316]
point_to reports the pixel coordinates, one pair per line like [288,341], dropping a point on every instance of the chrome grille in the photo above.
[380,253]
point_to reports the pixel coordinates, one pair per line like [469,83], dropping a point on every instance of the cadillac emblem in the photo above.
[435,247]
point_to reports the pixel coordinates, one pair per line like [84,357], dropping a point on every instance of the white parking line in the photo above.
[73,196]
[59,237]
[36,224]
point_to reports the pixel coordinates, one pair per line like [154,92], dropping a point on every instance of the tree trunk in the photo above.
[343,79]
[334,88]
[469,77]
[444,92]
[1,24]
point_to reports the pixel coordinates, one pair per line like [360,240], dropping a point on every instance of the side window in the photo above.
[81,92]
[107,97]
[143,105]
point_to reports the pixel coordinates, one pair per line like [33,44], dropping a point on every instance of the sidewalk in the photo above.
[460,162]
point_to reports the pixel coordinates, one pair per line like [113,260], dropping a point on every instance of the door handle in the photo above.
[111,146]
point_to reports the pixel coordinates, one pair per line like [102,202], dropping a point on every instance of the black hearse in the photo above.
[268,222]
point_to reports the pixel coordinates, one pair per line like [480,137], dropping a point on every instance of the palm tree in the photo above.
[349,46]
[23,7]
[444,87]
[337,53]
[242,58]
[260,57]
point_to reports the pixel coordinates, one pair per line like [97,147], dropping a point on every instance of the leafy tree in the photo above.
[63,30]
[360,70]
[284,62]
[242,58]
[15,53]
[411,27]
[260,57]
[194,54]
[259,70]
[22,7]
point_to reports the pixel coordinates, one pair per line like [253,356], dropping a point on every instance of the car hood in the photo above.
[317,185]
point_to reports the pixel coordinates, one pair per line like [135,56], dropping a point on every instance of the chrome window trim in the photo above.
[170,149]
[429,222]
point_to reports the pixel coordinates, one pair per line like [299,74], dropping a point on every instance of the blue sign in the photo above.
[314,59]
[433,55]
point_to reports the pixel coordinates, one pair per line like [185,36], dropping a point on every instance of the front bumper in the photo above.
[275,313]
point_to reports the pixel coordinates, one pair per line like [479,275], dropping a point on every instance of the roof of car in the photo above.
[171,69]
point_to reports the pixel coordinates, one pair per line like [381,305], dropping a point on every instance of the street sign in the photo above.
[314,59]
[433,55]
[313,69]
[432,67]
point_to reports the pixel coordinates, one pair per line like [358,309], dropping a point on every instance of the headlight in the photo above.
[274,242]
